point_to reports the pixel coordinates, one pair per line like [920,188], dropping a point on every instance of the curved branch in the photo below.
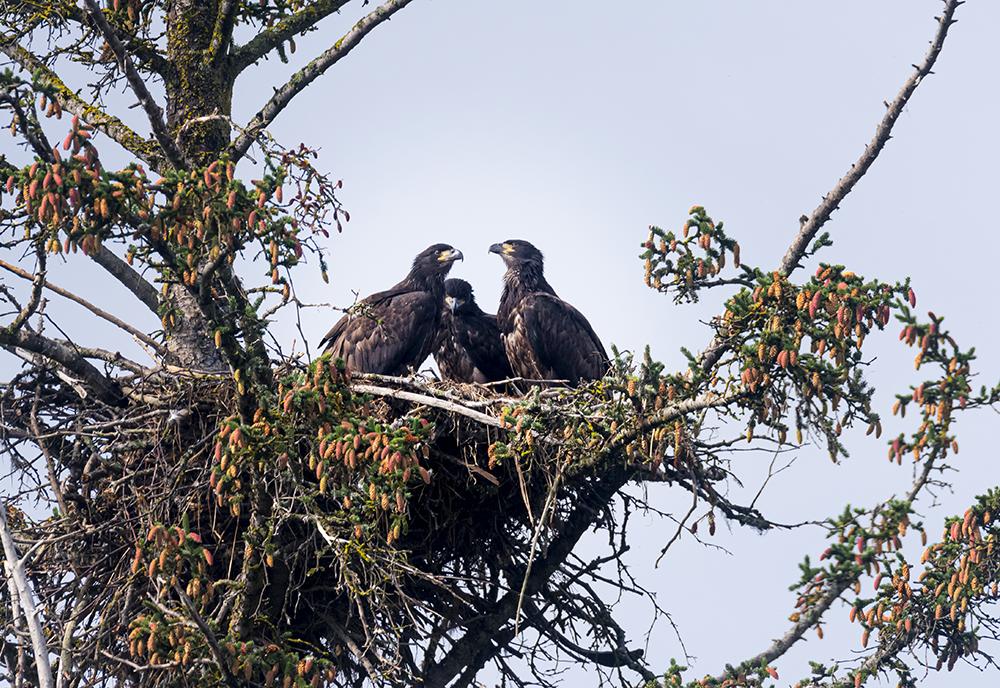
[284,30]
[305,76]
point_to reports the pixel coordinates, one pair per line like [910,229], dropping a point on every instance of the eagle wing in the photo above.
[550,339]
[392,332]
[481,339]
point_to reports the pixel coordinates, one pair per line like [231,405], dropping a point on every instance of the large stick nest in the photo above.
[367,518]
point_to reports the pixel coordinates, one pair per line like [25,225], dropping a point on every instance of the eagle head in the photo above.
[436,259]
[517,252]
[457,294]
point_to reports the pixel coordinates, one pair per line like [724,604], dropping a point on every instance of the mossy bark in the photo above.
[200,93]
[199,102]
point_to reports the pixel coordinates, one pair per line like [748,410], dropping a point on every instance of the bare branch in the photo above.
[305,76]
[138,334]
[428,401]
[15,569]
[106,389]
[153,111]
[287,28]
[883,133]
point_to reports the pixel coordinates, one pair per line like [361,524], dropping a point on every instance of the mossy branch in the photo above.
[283,31]
[153,111]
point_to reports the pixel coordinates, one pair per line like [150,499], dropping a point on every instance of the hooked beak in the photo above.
[498,249]
[452,303]
[451,256]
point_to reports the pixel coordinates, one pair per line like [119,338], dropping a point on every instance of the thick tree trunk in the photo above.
[199,102]
[200,93]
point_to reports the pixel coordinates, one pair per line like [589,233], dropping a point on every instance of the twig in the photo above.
[550,500]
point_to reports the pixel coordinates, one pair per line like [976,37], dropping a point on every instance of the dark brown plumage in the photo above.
[545,337]
[469,347]
[394,331]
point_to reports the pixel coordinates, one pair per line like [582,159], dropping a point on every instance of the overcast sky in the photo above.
[575,125]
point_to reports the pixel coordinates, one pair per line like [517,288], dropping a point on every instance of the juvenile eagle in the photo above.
[394,331]
[469,348]
[545,337]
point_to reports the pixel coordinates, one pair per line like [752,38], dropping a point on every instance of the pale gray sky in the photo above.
[577,124]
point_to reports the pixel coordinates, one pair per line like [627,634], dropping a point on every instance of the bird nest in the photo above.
[357,514]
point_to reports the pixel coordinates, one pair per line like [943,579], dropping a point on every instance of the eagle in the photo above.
[394,331]
[545,337]
[469,347]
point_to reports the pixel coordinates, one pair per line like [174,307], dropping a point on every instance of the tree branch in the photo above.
[290,26]
[106,389]
[138,334]
[428,401]
[153,111]
[223,32]
[131,279]
[108,124]
[15,569]
[883,132]
[283,96]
